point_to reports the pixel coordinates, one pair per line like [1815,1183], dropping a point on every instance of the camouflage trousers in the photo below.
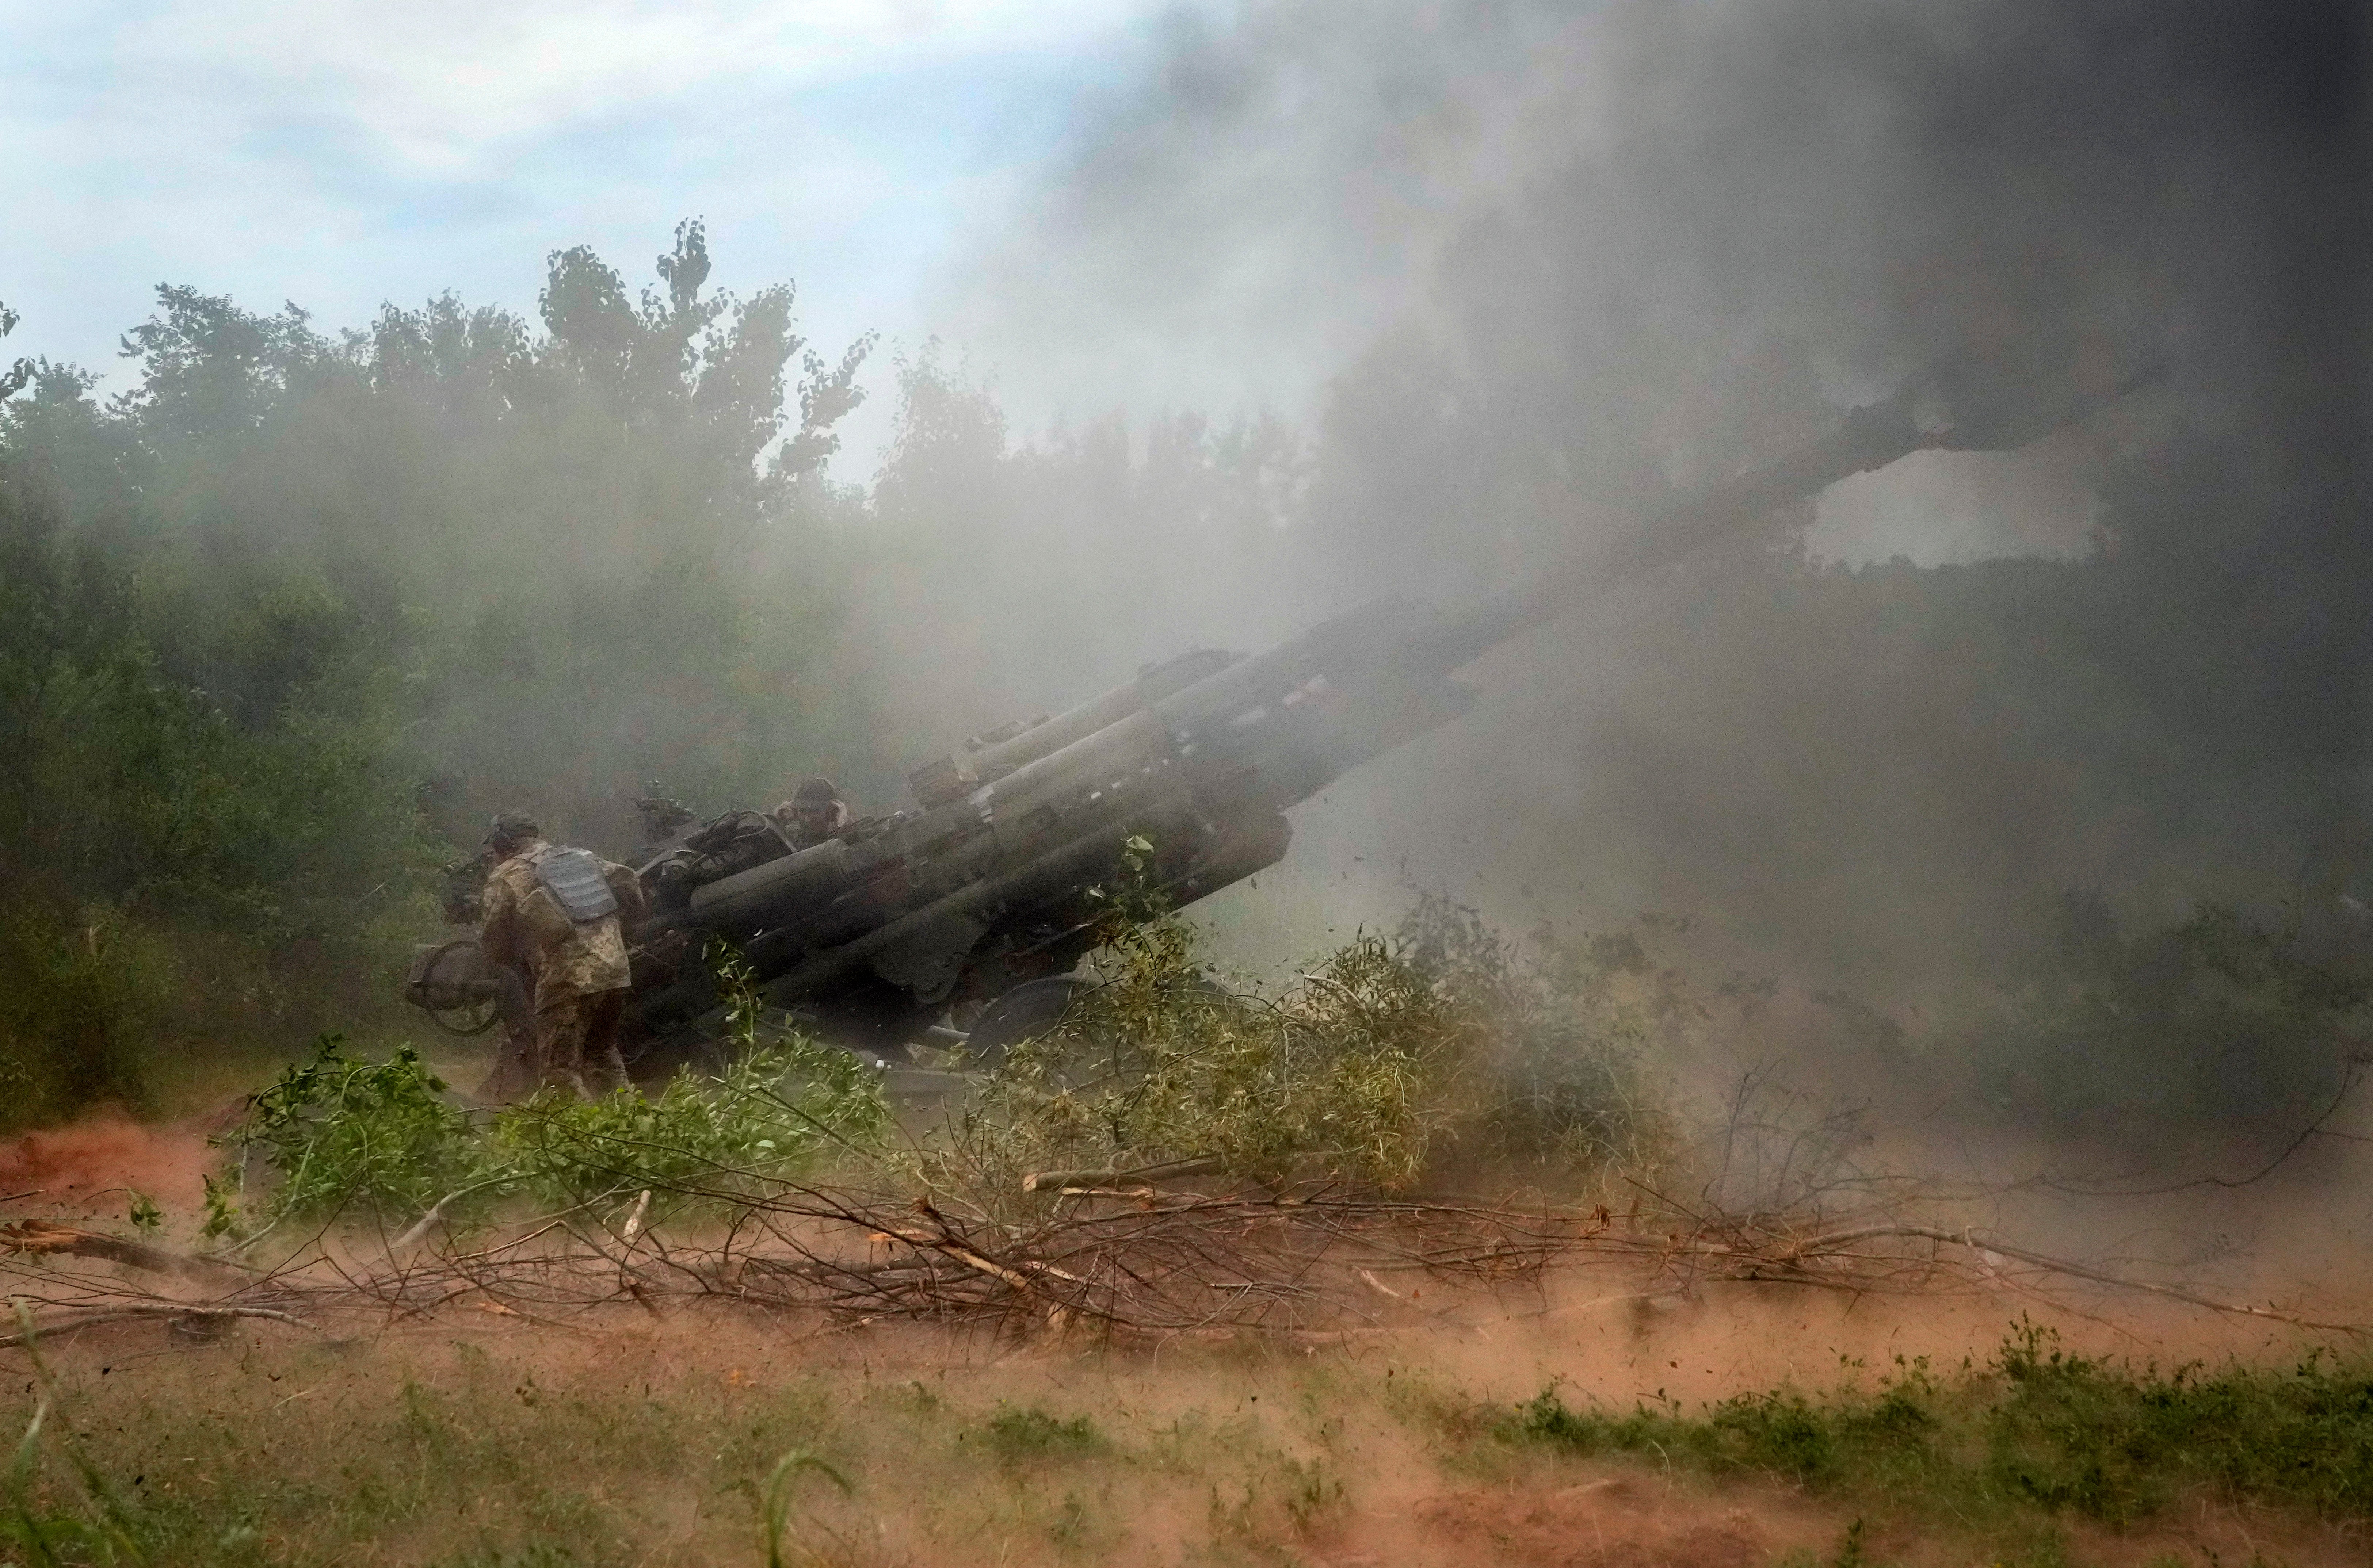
[518,1069]
[577,1042]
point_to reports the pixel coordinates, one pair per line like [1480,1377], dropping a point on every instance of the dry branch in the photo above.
[1090,1182]
[41,1237]
[1300,1264]
[178,1310]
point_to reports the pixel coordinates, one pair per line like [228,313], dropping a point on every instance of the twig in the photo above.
[2076,1271]
[159,1309]
[436,1212]
[1173,1170]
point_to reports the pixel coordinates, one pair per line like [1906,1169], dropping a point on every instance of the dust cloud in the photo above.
[96,1166]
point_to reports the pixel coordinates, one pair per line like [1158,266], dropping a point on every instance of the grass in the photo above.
[1025,1432]
[719,1444]
[496,1446]
[519,1451]
[2035,1431]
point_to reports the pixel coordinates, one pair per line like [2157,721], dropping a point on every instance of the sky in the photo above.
[340,153]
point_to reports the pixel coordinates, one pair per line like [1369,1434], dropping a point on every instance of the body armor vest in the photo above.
[573,878]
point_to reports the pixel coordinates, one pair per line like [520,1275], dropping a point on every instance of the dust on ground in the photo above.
[472,1433]
[92,1167]
[633,1438]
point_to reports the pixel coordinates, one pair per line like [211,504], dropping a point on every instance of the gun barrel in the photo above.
[1869,437]
[1957,404]
[1039,740]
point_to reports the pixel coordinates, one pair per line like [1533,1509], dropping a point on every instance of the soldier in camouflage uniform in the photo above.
[560,914]
[515,1071]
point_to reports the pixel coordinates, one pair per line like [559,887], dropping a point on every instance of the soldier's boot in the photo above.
[605,1072]
[605,1066]
[568,1082]
[517,1070]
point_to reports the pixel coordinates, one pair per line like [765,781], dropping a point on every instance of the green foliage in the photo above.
[782,1485]
[356,1139]
[252,605]
[366,1140]
[95,1524]
[1157,1063]
[2086,1435]
[1387,1061]
[1556,1080]
[2036,1428]
[772,1110]
[82,994]
[222,1215]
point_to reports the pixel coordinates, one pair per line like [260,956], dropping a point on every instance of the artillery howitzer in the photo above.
[988,891]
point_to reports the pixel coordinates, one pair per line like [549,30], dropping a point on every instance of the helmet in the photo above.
[511,828]
[816,792]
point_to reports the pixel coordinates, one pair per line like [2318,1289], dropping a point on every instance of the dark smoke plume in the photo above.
[1590,254]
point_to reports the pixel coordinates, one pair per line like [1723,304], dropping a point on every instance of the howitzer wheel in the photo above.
[1022,1014]
[1101,1054]
[451,985]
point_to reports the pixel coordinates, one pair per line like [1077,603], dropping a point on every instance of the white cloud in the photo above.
[342,152]
[447,87]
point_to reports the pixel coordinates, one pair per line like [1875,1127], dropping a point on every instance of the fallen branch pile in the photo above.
[1124,1259]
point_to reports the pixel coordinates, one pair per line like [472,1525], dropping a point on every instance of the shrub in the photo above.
[1380,1064]
[769,1114]
[348,1136]
[1555,1076]
[82,993]
[2216,1017]
[1335,1076]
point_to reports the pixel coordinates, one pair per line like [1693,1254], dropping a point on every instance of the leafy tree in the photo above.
[294,603]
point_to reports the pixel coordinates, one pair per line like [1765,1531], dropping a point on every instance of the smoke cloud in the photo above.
[1533,267]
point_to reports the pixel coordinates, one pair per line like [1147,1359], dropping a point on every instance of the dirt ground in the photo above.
[653,1442]
[476,1438]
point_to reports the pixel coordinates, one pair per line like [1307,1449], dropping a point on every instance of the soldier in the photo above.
[815,812]
[464,900]
[557,912]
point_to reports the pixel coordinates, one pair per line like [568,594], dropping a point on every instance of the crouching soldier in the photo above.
[557,912]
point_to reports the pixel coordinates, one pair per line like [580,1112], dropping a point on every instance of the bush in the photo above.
[350,1137]
[1337,1077]
[770,1113]
[380,1139]
[2216,1018]
[82,993]
[1385,1061]
[1556,1082]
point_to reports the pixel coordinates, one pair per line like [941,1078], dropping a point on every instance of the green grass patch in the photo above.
[1025,1432]
[2035,1428]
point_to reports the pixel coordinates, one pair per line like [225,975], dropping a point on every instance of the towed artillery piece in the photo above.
[983,897]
